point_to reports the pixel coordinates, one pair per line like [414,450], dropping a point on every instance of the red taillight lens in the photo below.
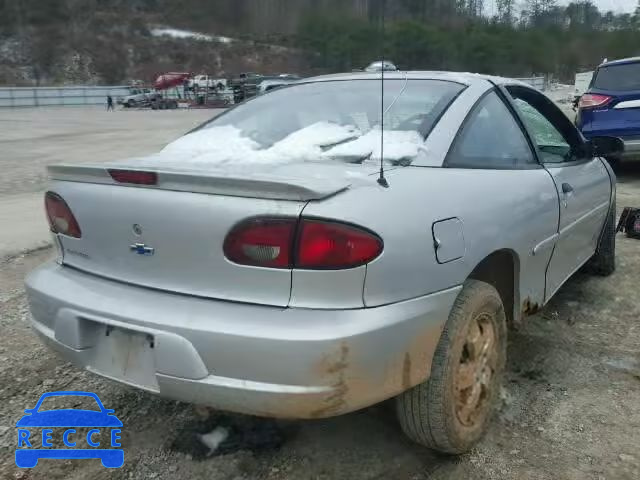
[307,244]
[590,100]
[61,219]
[329,245]
[134,177]
[264,242]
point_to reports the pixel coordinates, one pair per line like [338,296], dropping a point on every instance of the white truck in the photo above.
[202,82]
[581,83]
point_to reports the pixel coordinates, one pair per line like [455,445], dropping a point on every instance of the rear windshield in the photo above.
[624,77]
[325,121]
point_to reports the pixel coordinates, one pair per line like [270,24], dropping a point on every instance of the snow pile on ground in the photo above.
[322,141]
[560,93]
[177,33]
[213,439]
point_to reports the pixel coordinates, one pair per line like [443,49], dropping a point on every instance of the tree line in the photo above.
[543,37]
[503,37]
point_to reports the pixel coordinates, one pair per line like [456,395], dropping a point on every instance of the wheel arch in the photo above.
[501,269]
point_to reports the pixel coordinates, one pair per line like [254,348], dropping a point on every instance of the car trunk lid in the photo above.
[170,235]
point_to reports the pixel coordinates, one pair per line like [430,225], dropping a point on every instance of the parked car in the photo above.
[245,86]
[138,97]
[203,82]
[611,104]
[271,84]
[381,66]
[270,268]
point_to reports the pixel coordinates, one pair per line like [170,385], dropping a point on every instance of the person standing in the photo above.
[110,103]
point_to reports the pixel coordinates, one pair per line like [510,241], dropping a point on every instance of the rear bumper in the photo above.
[631,147]
[280,362]
[631,142]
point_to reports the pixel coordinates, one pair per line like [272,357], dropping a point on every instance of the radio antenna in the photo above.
[382,181]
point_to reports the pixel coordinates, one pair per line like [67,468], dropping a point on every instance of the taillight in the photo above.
[306,244]
[134,177]
[262,242]
[590,100]
[61,219]
[329,245]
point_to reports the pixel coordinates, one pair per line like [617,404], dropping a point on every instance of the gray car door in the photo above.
[582,183]
[508,201]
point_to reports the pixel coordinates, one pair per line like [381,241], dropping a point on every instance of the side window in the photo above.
[491,138]
[552,145]
[555,137]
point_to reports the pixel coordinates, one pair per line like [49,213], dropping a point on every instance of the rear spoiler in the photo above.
[259,186]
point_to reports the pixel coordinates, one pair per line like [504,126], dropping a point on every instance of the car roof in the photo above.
[465,78]
[621,61]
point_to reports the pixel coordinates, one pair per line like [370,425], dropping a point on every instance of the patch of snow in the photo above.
[218,145]
[177,33]
[319,142]
[214,438]
[398,145]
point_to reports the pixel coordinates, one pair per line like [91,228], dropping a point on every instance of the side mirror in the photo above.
[606,146]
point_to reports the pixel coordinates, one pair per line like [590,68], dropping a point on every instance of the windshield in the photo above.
[623,77]
[324,121]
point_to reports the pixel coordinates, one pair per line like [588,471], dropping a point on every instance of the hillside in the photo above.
[112,41]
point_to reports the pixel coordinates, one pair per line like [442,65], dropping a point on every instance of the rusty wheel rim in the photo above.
[476,370]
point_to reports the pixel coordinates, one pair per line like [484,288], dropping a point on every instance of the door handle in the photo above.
[566,188]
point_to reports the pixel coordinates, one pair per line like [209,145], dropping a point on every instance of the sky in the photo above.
[618,6]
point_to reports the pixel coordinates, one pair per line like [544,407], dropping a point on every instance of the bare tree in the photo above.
[505,11]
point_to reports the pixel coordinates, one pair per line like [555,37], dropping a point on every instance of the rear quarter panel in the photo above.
[515,210]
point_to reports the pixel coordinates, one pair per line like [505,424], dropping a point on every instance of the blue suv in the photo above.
[611,104]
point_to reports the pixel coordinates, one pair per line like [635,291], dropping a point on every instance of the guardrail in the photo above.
[58,96]
[61,96]
[536,82]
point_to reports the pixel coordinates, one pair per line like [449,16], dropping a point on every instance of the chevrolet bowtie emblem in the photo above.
[141,249]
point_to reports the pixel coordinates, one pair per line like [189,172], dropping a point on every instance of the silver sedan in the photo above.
[324,247]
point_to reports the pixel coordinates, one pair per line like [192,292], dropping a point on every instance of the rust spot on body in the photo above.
[336,368]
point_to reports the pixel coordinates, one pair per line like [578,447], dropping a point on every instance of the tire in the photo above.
[429,413]
[603,262]
[131,104]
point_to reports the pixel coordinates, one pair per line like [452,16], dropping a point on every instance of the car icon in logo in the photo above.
[104,431]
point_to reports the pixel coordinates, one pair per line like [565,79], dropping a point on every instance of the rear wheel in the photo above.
[451,411]
[603,261]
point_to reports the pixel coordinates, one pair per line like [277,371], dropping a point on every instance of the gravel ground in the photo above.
[570,405]
[32,138]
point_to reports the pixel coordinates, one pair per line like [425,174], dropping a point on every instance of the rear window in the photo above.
[623,77]
[324,121]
